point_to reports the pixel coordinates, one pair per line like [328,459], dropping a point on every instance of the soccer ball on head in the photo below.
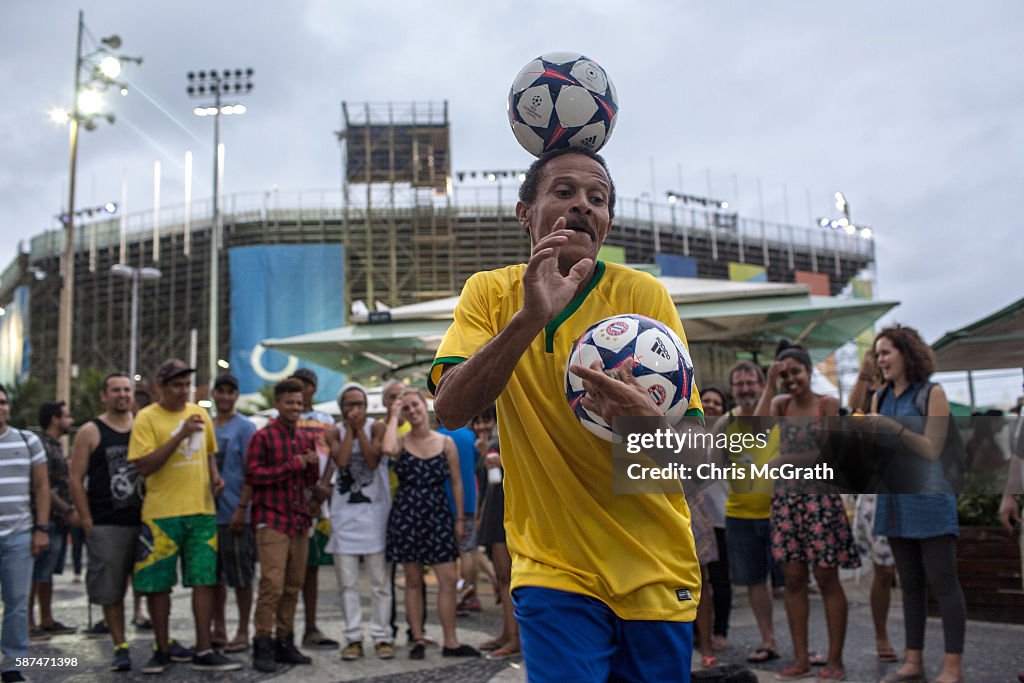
[661,364]
[560,100]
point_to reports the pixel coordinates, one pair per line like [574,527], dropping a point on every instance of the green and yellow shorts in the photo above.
[318,555]
[162,541]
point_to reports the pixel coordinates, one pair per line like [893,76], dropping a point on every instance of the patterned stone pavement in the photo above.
[994,653]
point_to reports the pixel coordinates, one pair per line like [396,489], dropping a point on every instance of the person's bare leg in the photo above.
[951,668]
[881,597]
[834,597]
[160,614]
[114,617]
[445,573]
[45,596]
[243,596]
[761,604]
[202,610]
[219,633]
[797,608]
[309,593]
[414,599]
[509,638]
[705,613]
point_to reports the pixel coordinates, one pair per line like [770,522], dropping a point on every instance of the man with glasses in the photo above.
[748,508]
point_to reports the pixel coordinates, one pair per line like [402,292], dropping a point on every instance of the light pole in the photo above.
[102,67]
[205,84]
[135,275]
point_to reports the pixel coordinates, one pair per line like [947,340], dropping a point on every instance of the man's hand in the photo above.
[308,458]
[615,393]
[73,518]
[86,522]
[460,530]
[1009,512]
[192,425]
[218,486]
[237,523]
[40,542]
[321,492]
[546,292]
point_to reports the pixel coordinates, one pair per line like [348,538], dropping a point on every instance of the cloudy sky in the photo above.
[915,110]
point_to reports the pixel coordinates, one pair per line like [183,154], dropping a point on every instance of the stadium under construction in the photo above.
[403,228]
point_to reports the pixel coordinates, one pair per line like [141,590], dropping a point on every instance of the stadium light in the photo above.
[93,75]
[216,84]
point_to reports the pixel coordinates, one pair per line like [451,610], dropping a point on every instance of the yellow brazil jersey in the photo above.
[182,486]
[566,530]
[750,498]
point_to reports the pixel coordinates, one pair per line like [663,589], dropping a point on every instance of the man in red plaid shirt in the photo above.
[282,467]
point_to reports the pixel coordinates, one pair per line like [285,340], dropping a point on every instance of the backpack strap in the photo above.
[922,396]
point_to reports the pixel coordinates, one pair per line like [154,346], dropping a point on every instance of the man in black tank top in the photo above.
[107,491]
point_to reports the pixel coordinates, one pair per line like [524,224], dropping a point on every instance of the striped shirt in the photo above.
[20,451]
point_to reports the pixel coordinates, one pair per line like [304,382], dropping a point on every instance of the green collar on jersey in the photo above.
[552,327]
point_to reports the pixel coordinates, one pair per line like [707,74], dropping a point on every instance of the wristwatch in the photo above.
[41,527]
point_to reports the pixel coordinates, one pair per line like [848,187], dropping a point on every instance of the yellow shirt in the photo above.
[750,498]
[566,530]
[182,486]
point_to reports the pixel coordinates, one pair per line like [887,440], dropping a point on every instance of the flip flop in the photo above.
[236,646]
[490,645]
[831,675]
[887,654]
[761,655]
[503,653]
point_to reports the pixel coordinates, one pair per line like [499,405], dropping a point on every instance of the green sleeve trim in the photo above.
[696,412]
[445,360]
[552,327]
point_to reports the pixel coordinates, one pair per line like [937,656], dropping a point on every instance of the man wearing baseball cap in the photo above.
[173,446]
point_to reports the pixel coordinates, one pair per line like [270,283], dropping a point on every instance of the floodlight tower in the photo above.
[94,73]
[204,84]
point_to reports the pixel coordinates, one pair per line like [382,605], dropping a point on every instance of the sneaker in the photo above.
[122,658]
[460,651]
[319,641]
[11,676]
[384,650]
[212,660]
[59,629]
[417,651]
[158,663]
[352,651]
[97,630]
[263,654]
[179,653]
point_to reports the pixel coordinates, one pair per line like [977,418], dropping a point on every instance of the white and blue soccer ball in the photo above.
[661,364]
[562,99]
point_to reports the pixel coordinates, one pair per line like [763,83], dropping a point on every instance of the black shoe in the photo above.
[122,659]
[460,651]
[58,629]
[263,654]
[214,661]
[97,630]
[178,652]
[11,676]
[158,663]
[417,651]
[285,652]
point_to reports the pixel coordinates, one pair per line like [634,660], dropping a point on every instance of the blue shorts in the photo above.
[51,561]
[750,550]
[571,637]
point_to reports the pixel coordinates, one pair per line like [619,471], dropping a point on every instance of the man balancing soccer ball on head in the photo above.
[605,586]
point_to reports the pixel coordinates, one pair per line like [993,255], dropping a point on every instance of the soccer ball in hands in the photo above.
[661,364]
[559,100]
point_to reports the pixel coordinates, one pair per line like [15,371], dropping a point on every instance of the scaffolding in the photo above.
[398,242]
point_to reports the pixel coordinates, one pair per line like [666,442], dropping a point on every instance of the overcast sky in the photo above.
[915,110]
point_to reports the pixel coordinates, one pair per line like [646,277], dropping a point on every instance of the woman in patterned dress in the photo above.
[808,527]
[420,528]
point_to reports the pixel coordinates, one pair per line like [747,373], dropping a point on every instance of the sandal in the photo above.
[503,653]
[831,675]
[490,645]
[238,645]
[761,655]
[708,662]
[794,673]
[887,654]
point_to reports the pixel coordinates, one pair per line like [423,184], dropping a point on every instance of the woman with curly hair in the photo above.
[921,527]
[809,527]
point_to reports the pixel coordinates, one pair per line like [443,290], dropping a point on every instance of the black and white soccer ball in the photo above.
[661,364]
[562,99]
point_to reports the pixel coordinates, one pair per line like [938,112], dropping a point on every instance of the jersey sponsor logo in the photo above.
[683,594]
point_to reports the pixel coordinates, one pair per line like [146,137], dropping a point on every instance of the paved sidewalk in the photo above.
[994,652]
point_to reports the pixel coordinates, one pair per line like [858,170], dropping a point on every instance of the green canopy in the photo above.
[996,341]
